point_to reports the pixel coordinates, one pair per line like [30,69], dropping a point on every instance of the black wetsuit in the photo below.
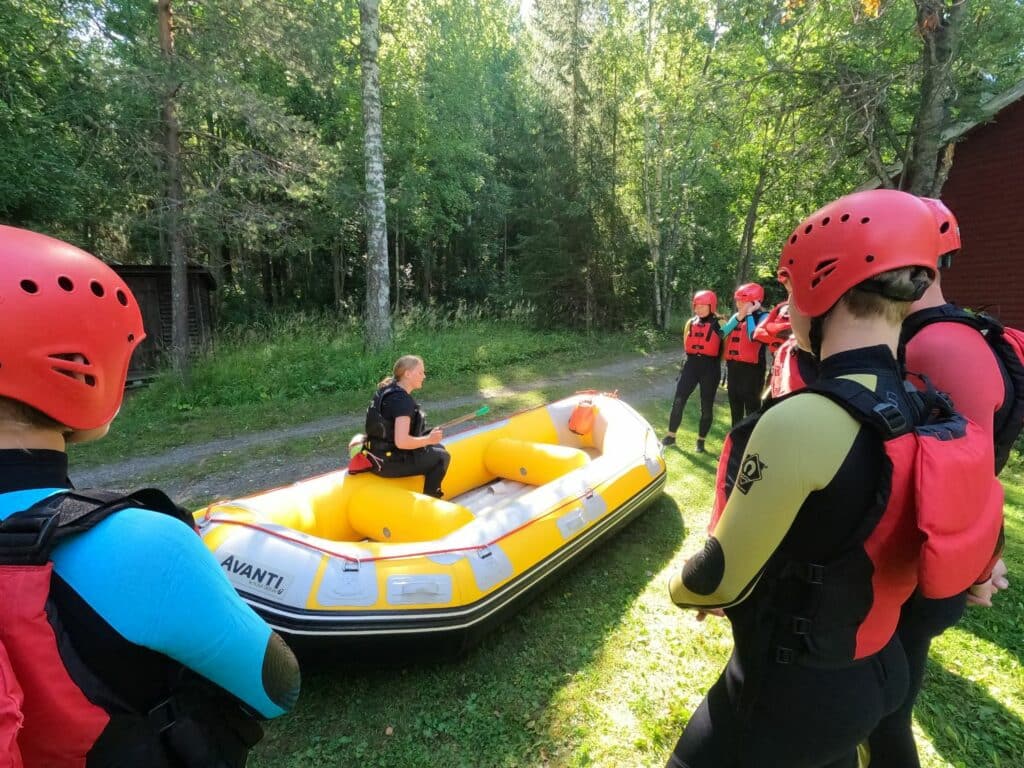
[811,476]
[431,461]
[698,370]
[745,381]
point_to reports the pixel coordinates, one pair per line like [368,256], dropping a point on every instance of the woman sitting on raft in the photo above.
[396,437]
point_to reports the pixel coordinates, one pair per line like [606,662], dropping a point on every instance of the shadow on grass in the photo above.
[965,724]
[489,708]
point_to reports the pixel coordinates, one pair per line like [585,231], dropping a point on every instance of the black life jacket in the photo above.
[196,723]
[1008,346]
[937,527]
[380,431]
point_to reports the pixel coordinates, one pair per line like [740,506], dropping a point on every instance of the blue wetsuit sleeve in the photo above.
[152,579]
[731,323]
[751,326]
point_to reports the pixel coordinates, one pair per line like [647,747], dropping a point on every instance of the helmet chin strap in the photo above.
[816,334]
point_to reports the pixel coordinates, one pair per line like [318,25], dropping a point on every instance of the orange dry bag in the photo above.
[581,422]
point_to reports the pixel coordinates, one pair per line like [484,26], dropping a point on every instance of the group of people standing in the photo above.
[706,342]
[855,515]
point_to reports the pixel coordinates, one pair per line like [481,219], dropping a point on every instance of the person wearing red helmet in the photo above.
[955,350]
[122,643]
[745,358]
[816,537]
[702,344]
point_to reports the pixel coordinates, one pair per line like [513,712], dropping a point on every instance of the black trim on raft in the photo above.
[472,620]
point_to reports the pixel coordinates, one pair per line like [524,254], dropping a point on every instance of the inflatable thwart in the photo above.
[339,556]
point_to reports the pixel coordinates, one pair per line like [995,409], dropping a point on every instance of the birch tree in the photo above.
[378,310]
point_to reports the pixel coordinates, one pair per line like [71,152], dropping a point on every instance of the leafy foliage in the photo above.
[596,159]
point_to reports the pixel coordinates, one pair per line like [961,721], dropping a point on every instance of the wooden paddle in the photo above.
[481,411]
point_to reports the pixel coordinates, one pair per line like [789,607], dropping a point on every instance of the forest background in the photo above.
[582,163]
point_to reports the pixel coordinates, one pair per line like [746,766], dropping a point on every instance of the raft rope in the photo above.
[209,519]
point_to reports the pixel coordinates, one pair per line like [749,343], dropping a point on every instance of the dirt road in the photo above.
[638,379]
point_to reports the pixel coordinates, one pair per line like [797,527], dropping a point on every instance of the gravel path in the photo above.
[255,473]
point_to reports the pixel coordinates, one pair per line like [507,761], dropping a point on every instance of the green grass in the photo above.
[301,369]
[602,670]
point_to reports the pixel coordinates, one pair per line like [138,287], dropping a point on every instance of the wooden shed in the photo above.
[152,288]
[985,190]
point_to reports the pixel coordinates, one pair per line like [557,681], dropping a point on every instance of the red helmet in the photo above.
[854,238]
[706,297]
[60,303]
[774,327]
[949,227]
[749,292]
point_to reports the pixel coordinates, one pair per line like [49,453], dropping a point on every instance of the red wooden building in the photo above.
[985,190]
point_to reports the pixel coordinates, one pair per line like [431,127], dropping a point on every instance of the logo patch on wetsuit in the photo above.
[750,472]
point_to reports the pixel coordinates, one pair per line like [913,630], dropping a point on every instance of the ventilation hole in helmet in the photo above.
[869,257]
[845,217]
[824,264]
[825,221]
[121,298]
[65,282]
[865,220]
[131,337]
[64,372]
[790,261]
[90,380]
[792,239]
[97,289]
[29,286]
[71,357]
[944,227]
[808,228]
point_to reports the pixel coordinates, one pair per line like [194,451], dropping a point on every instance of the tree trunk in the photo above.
[939,25]
[172,152]
[749,226]
[378,315]
[652,187]
[338,274]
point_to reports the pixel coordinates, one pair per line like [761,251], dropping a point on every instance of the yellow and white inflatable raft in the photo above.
[340,556]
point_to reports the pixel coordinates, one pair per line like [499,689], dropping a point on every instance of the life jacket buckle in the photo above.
[164,715]
[25,538]
[892,417]
[801,625]
[784,655]
[815,574]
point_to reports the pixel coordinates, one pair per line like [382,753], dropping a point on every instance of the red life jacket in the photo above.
[702,337]
[792,369]
[1008,346]
[938,527]
[50,711]
[772,330]
[740,348]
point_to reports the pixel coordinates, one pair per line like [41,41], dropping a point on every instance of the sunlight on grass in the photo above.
[603,670]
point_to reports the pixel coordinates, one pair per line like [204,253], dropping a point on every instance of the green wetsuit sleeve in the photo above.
[796,449]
